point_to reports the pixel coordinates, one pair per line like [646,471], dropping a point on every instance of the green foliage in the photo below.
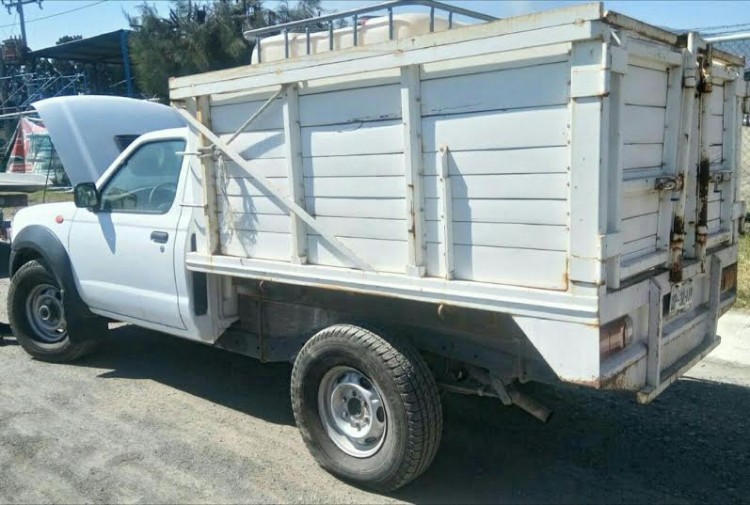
[199,37]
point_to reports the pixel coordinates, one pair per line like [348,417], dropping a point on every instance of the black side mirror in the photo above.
[86,195]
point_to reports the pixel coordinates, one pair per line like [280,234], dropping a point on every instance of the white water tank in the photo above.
[370,31]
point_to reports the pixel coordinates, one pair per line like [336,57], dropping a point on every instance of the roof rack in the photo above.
[329,19]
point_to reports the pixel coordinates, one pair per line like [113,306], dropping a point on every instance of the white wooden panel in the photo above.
[645,86]
[715,155]
[262,245]
[536,86]
[269,167]
[276,223]
[350,106]
[227,118]
[377,137]
[518,267]
[643,125]
[715,125]
[265,144]
[353,227]
[383,255]
[643,246]
[354,166]
[385,208]
[714,209]
[497,130]
[521,236]
[257,205]
[641,156]
[638,204]
[538,160]
[638,227]
[713,196]
[545,212]
[355,187]
[246,187]
[714,225]
[516,186]
[716,101]
[638,255]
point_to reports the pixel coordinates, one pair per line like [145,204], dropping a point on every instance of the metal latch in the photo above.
[669,183]
[705,84]
[718,177]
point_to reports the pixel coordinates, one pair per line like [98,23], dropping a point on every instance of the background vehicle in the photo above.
[551,198]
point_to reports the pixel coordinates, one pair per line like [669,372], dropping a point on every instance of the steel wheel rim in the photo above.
[353,411]
[45,313]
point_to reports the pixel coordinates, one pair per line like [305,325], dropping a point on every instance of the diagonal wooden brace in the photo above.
[262,183]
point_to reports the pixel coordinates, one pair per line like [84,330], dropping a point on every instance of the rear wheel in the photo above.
[38,318]
[368,407]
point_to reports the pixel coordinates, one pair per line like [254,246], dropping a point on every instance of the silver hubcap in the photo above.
[352,411]
[44,310]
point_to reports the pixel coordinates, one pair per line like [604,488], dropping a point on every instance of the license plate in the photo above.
[681,297]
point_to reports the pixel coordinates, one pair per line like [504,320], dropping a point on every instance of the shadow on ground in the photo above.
[691,445]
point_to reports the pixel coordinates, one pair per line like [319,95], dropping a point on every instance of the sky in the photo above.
[91,17]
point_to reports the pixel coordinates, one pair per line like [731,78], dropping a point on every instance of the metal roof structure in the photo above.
[107,48]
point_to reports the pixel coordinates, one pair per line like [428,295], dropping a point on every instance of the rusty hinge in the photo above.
[705,83]
[669,183]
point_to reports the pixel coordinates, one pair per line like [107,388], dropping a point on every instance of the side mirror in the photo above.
[86,195]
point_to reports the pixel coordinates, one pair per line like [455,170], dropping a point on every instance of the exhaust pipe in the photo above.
[530,405]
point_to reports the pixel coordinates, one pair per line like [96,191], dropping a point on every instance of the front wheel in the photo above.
[368,408]
[39,321]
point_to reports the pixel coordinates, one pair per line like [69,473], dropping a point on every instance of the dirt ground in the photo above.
[153,419]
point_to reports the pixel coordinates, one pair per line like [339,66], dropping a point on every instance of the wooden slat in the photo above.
[520,236]
[262,245]
[643,125]
[376,137]
[254,145]
[269,167]
[645,86]
[370,165]
[355,187]
[497,130]
[545,212]
[642,246]
[383,255]
[226,119]
[521,186]
[248,187]
[520,267]
[350,106]
[386,208]
[257,204]
[276,223]
[353,227]
[541,85]
[642,156]
[716,101]
[638,227]
[638,204]
[509,161]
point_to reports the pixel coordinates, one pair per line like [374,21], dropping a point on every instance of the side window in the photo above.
[146,182]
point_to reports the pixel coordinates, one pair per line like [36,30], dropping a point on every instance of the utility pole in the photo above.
[18,4]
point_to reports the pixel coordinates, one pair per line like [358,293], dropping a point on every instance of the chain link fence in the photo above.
[739,44]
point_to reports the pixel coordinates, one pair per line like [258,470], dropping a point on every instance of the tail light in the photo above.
[615,336]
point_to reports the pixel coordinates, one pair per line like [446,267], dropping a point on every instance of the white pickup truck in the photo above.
[551,197]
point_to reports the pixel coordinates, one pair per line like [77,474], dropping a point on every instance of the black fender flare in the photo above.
[39,242]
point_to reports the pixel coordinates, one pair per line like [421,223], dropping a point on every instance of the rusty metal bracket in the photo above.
[705,83]
[669,183]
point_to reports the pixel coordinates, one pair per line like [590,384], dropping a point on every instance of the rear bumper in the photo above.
[668,346]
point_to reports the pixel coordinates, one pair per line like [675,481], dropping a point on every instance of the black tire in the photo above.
[412,401]
[79,336]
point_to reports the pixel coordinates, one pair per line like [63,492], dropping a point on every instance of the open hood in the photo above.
[85,129]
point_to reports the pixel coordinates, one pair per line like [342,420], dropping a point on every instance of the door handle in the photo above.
[160,237]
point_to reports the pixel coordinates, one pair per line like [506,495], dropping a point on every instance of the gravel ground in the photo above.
[153,419]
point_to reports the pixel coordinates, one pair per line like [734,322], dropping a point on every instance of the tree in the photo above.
[200,36]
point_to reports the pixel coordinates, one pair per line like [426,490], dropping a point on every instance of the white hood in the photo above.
[83,129]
